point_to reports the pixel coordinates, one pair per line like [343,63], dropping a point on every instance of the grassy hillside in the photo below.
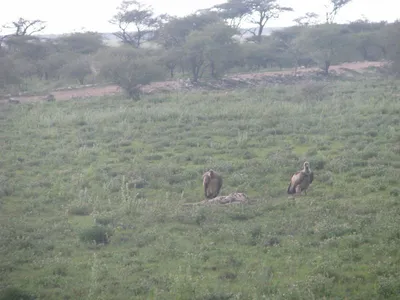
[118,172]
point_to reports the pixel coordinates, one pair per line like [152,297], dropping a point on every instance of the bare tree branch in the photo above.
[335,5]
[25,27]
[306,20]
[22,27]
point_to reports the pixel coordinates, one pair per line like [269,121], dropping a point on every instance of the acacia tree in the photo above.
[262,12]
[286,42]
[333,8]
[308,19]
[25,27]
[77,69]
[195,53]
[129,68]
[255,56]
[21,27]
[171,58]
[368,37]
[29,54]
[212,48]
[324,43]
[233,12]
[173,36]
[223,51]
[81,42]
[175,32]
[136,22]
[257,12]
[53,64]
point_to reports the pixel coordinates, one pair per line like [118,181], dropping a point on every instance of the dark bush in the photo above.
[98,234]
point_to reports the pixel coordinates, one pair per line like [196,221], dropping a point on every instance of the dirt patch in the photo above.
[337,68]
[168,86]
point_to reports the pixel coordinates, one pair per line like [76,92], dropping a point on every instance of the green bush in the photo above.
[97,234]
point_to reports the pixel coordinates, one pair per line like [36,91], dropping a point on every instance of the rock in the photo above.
[50,98]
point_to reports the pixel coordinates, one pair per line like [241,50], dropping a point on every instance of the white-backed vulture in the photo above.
[301,180]
[212,183]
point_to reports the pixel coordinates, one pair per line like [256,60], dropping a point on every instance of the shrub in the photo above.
[130,69]
[80,210]
[98,234]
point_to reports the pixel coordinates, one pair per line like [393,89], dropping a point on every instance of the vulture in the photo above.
[301,180]
[212,183]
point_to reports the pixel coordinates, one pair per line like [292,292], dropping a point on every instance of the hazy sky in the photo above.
[78,15]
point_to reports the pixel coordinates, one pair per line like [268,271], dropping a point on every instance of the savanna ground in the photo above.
[117,172]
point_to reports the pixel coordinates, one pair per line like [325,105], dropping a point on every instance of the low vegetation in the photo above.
[92,194]
[97,195]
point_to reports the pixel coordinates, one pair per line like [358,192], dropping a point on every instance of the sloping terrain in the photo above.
[91,195]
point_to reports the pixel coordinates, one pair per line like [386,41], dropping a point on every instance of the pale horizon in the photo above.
[91,16]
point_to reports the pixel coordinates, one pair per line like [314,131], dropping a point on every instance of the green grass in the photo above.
[118,172]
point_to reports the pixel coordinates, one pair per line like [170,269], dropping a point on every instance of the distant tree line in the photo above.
[205,45]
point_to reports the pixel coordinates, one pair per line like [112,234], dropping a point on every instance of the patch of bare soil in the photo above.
[337,68]
[169,86]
